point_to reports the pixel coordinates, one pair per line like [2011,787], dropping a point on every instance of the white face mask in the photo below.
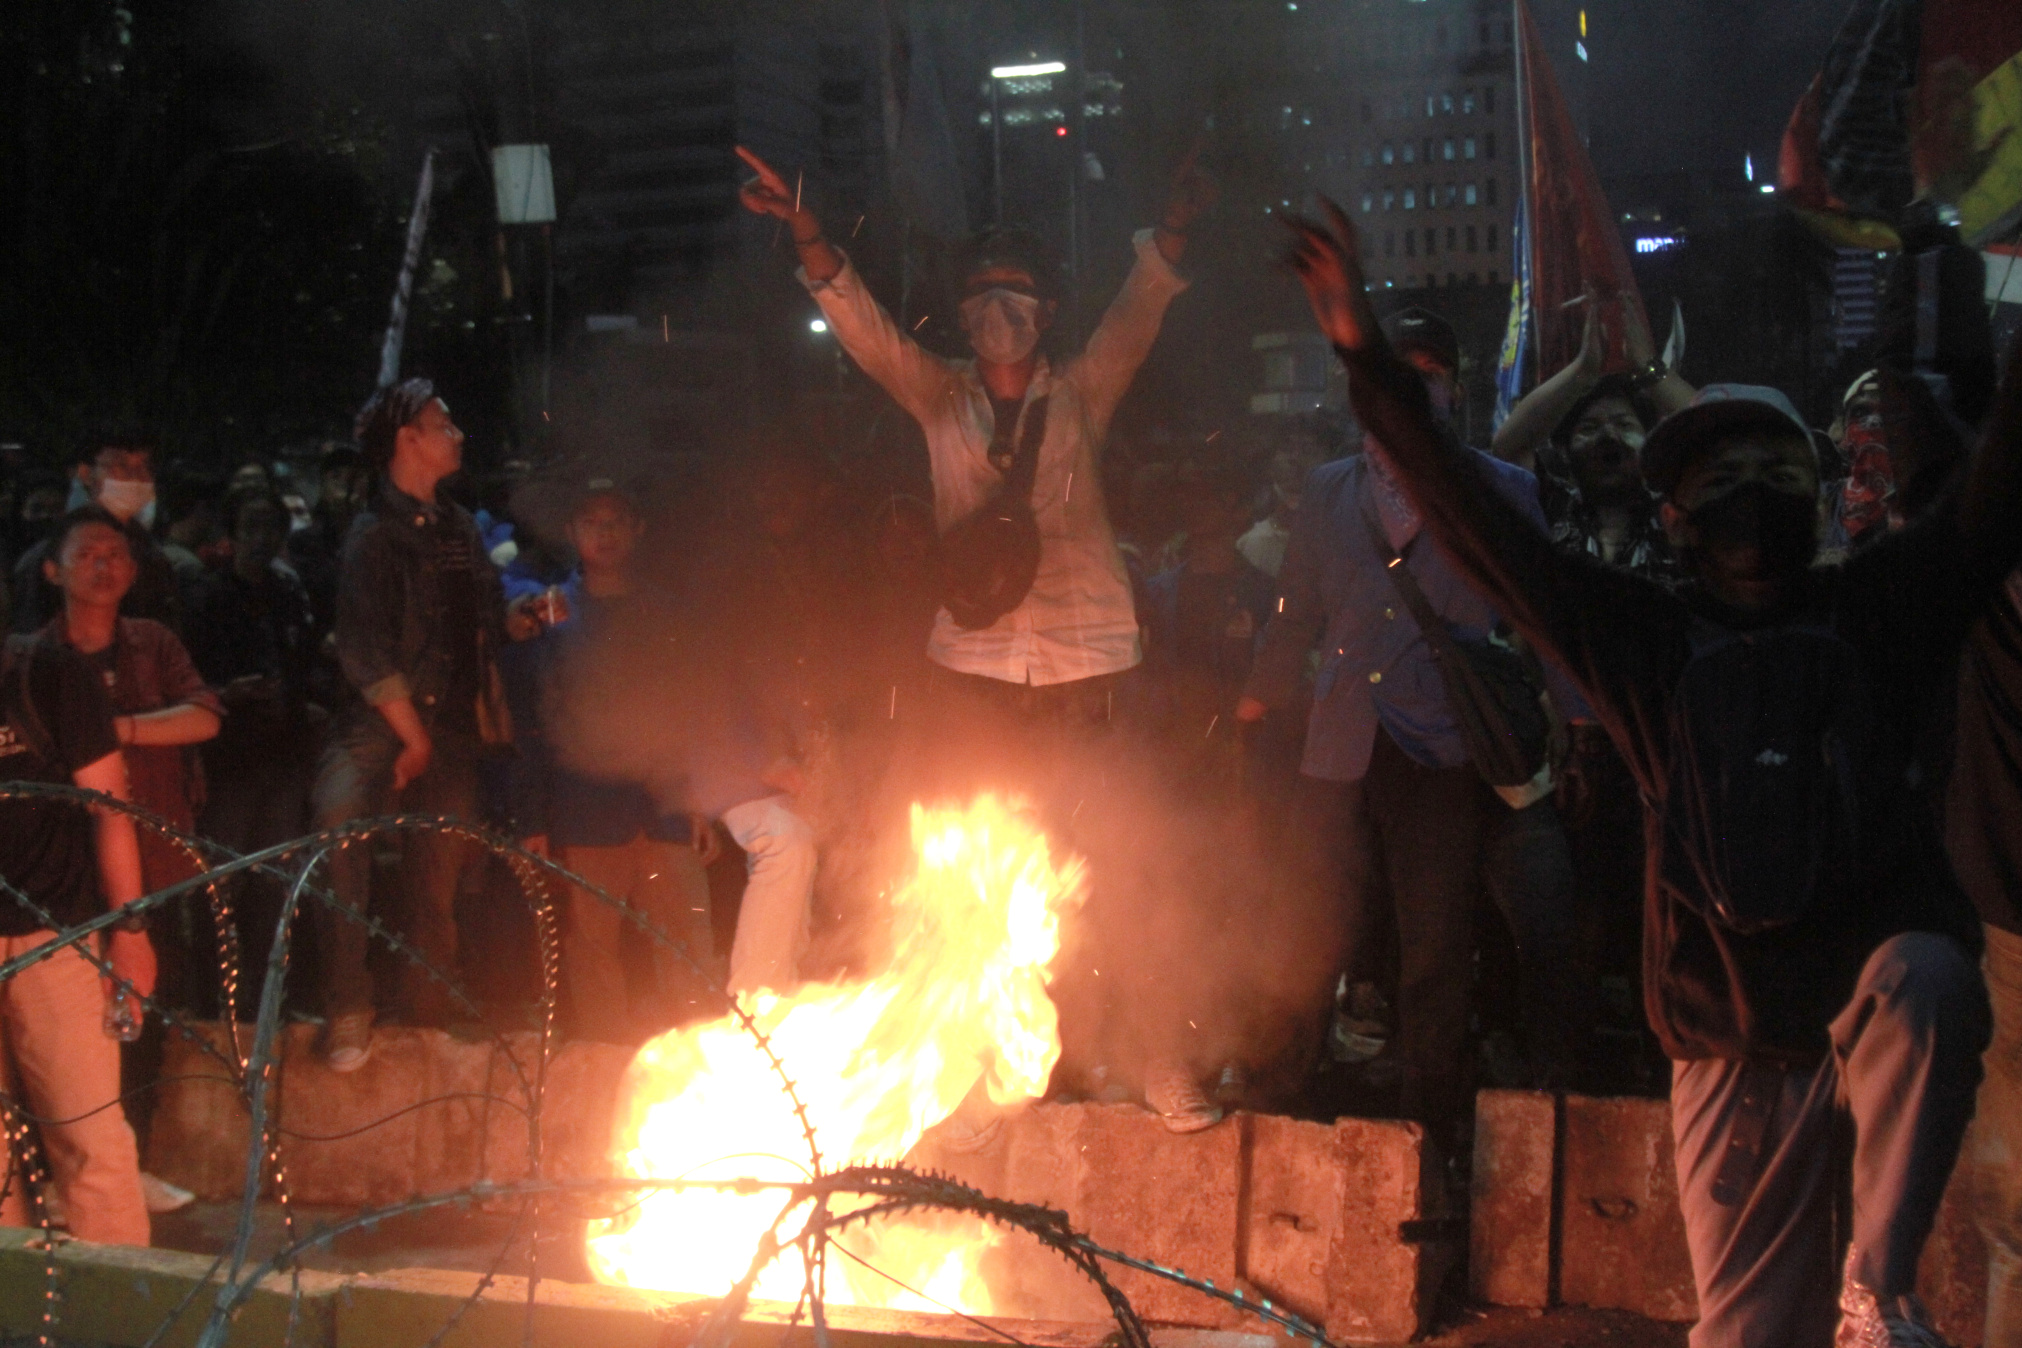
[127,500]
[1003,325]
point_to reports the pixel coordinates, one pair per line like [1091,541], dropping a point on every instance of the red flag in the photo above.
[1575,245]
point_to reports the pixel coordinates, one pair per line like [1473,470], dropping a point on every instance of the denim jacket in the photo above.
[390,607]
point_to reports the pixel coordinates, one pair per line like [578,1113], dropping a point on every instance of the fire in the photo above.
[960,1001]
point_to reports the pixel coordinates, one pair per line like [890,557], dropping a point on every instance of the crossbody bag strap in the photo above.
[1406,584]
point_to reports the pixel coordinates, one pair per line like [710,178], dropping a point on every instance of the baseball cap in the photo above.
[1416,329]
[1715,411]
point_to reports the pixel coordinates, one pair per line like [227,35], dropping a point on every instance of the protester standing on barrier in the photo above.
[1036,629]
[57,1060]
[608,831]
[1806,950]
[420,615]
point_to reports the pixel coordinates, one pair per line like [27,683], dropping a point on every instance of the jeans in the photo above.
[666,882]
[1995,1150]
[772,924]
[1761,1150]
[1528,870]
[355,781]
[57,1063]
[1411,837]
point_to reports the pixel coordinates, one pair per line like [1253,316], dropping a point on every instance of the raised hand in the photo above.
[767,194]
[1328,258]
[1194,191]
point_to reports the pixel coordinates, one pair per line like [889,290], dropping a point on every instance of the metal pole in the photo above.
[996,154]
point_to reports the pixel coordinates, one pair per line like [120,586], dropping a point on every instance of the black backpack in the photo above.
[1771,738]
[990,559]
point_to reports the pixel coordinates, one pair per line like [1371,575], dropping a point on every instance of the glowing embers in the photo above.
[960,1001]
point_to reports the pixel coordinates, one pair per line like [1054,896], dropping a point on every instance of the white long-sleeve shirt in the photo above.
[1078,620]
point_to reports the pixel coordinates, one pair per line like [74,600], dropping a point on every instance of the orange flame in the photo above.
[961,1001]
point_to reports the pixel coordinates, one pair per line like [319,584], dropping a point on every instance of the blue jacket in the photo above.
[1376,667]
[569,808]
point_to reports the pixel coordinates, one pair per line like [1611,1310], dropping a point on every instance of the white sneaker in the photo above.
[1174,1095]
[162,1196]
[1866,1321]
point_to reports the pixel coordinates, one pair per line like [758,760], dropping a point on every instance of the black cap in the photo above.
[1715,411]
[1417,329]
[583,490]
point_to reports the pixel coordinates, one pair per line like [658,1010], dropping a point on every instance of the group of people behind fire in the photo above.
[1302,708]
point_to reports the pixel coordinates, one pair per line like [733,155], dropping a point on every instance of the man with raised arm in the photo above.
[1807,958]
[1074,629]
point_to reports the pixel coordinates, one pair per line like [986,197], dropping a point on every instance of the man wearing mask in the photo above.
[1806,952]
[118,475]
[1054,654]
[1389,808]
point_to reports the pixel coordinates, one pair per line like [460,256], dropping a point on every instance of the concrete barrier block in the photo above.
[1952,1276]
[1292,1217]
[200,1128]
[1171,1199]
[119,1296]
[350,1138]
[1385,1268]
[1623,1238]
[1516,1138]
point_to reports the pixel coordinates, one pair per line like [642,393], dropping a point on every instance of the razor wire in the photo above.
[881,1190]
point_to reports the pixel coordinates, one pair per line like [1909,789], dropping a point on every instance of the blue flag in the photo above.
[1516,341]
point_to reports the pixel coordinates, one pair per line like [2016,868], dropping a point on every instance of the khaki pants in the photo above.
[772,924]
[666,882]
[58,1064]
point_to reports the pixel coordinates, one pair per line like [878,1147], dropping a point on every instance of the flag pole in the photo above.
[417,232]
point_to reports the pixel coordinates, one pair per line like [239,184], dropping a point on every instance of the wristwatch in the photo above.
[1645,376]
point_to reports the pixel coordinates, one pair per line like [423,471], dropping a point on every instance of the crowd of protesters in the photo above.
[1663,727]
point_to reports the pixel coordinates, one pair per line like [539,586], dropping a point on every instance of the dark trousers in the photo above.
[1760,1152]
[1527,866]
[1410,837]
[355,781]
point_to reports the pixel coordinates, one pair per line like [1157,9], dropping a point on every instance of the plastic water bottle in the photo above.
[122,1016]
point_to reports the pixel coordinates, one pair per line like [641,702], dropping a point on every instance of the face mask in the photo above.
[1756,532]
[128,500]
[1003,325]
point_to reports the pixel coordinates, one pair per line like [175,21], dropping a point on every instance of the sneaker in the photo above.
[1176,1097]
[1867,1321]
[976,1123]
[162,1196]
[347,1041]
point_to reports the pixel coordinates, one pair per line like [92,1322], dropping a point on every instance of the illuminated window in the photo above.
[1446,103]
[1431,105]
[1468,196]
[1467,103]
[1452,195]
[1467,148]
[1410,153]
[1389,201]
[1410,199]
[1389,156]
[1449,150]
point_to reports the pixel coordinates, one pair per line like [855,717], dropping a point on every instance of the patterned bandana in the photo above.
[1400,518]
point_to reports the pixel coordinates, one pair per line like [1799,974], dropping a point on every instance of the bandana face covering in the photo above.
[1003,325]
[1756,532]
